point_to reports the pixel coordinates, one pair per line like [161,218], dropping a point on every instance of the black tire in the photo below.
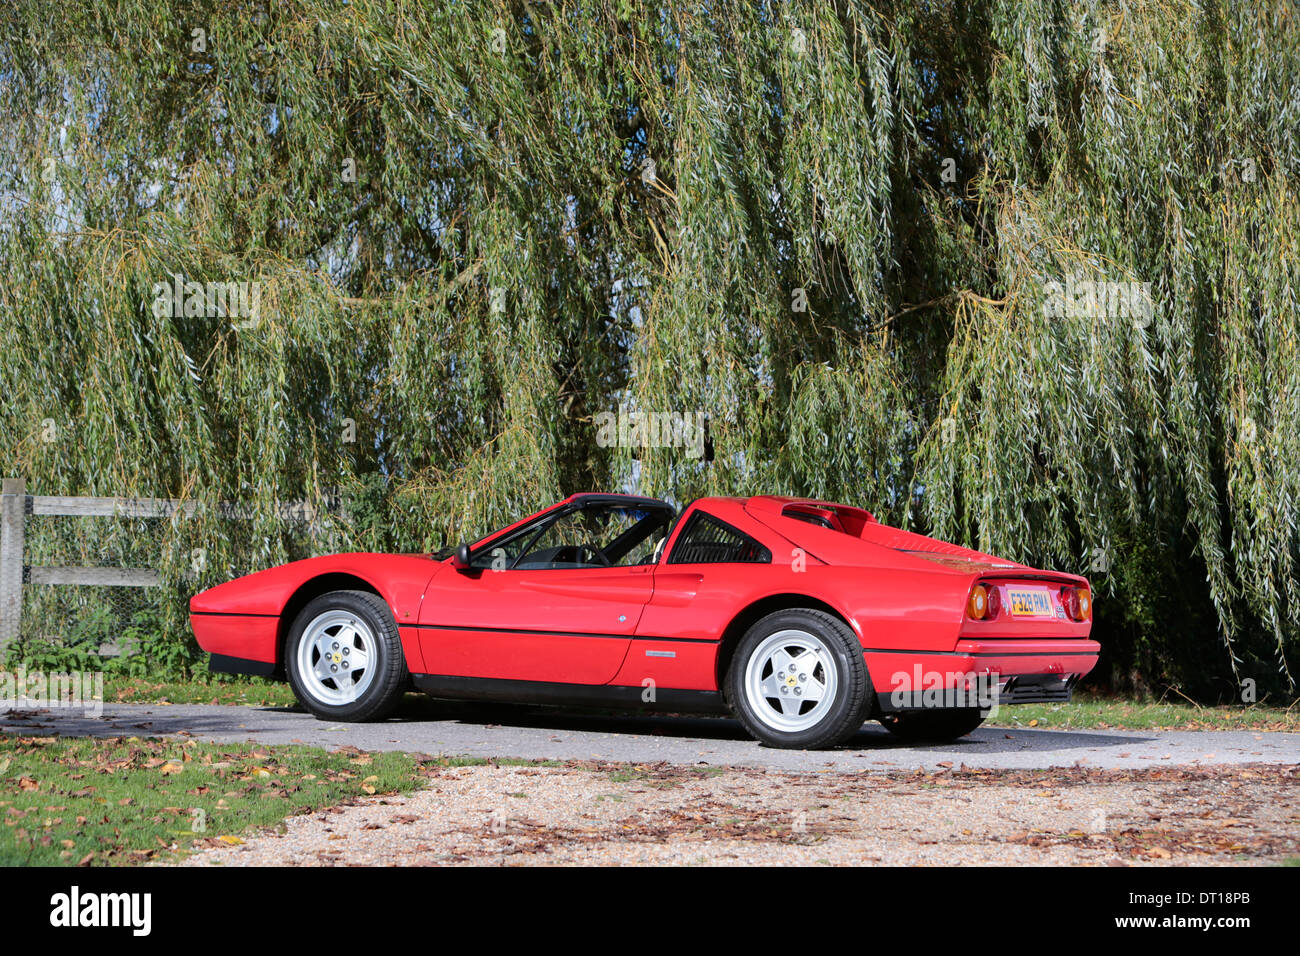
[932,726]
[384,688]
[848,704]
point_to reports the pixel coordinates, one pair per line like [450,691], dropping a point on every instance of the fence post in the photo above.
[13,515]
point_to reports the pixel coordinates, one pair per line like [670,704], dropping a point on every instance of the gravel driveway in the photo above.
[647,789]
[593,813]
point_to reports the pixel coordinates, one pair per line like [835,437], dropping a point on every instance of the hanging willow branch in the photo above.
[1015,272]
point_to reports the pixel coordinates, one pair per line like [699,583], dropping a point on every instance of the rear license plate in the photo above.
[1030,602]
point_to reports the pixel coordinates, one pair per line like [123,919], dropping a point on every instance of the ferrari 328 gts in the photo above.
[802,618]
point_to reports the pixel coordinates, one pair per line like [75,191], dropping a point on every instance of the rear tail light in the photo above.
[1077,603]
[984,602]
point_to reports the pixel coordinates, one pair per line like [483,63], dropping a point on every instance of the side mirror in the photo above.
[460,558]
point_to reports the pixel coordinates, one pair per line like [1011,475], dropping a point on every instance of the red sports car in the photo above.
[803,618]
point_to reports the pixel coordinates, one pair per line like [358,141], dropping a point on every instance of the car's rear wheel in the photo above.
[344,657]
[932,726]
[798,680]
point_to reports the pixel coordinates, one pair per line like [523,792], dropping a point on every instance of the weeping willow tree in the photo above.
[1018,273]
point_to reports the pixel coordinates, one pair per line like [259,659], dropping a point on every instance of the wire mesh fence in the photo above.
[73,621]
[105,582]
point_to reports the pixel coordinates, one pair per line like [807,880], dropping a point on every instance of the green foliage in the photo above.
[830,226]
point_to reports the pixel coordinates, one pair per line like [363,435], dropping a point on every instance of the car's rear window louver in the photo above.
[707,541]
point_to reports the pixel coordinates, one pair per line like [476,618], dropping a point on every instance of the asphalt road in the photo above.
[540,733]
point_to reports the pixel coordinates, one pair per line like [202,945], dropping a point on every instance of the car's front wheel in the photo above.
[798,680]
[343,656]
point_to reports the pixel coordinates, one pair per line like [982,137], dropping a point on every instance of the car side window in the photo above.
[505,552]
[571,541]
[706,540]
[598,536]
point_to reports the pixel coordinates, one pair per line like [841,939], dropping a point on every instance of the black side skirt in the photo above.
[221,664]
[621,697]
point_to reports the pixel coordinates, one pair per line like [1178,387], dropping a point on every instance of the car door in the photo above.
[539,608]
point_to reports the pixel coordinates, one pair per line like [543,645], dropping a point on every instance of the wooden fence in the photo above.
[16,505]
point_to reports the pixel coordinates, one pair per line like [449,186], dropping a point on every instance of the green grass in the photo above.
[216,689]
[494,762]
[1107,713]
[67,801]
[663,777]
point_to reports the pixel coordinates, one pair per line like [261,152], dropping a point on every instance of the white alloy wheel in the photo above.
[336,657]
[791,680]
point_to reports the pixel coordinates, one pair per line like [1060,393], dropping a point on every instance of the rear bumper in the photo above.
[1012,657]
[1008,671]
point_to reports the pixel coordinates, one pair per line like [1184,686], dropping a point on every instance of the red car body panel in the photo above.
[250,637]
[245,619]
[670,625]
